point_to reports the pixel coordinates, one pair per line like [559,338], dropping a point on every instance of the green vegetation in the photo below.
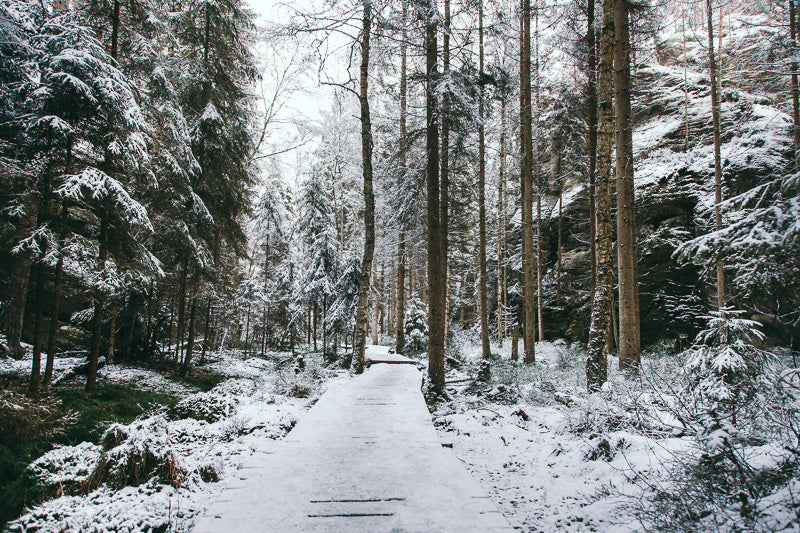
[68,417]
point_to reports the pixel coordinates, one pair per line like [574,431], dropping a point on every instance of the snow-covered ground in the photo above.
[551,456]
[172,457]
[554,458]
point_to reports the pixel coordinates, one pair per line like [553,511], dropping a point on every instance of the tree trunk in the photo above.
[795,88]
[182,315]
[591,144]
[375,305]
[436,282]
[206,331]
[596,362]
[400,313]
[112,330]
[36,366]
[53,333]
[369,195]
[187,360]
[501,223]
[685,86]
[628,343]
[559,248]
[13,312]
[482,282]
[529,292]
[539,188]
[715,117]
[444,206]
[97,319]
[515,343]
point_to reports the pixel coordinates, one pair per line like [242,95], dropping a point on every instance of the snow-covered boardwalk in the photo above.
[366,457]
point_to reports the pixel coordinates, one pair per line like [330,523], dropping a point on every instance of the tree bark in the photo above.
[17,289]
[375,307]
[685,86]
[444,217]
[501,222]
[629,341]
[36,365]
[400,340]
[529,293]
[187,360]
[515,343]
[795,87]
[596,362]
[482,282]
[369,195]
[539,188]
[97,319]
[206,331]
[436,282]
[715,118]
[53,333]
[591,143]
[559,248]
[112,330]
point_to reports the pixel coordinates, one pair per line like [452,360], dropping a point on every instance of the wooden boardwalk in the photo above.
[366,457]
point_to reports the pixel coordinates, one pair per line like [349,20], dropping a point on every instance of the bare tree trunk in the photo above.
[501,223]
[13,312]
[795,89]
[559,251]
[529,294]
[629,341]
[112,330]
[97,319]
[369,195]
[515,343]
[206,332]
[400,313]
[591,147]
[596,362]
[436,282]
[36,366]
[444,217]
[686,86]
[539,187]
[53,333]
[382,301]
[187,360]
[715,117]
[482,282]
[182,315]
[375,307]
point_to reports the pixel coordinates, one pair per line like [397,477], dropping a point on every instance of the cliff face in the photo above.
[674,178]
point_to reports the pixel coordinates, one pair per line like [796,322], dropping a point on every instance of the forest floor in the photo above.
[156,451]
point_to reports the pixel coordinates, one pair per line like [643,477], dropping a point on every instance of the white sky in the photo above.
[303,105]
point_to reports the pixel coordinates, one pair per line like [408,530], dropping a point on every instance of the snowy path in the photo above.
[366,457]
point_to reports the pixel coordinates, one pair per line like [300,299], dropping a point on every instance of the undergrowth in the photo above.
[68,417]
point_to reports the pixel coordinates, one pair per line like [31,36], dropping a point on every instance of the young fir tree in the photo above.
[322,267]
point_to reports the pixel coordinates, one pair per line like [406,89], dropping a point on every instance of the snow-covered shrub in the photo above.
[415,325]
[743,415]
[64,469]
[726,375]
[207,406]
[145,454]
[216,404]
